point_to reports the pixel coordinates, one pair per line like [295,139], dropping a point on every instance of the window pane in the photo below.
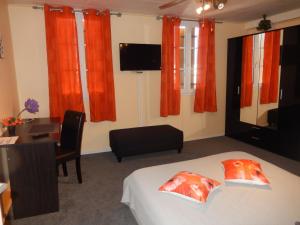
[182,78]
[189,33]
[193,79]
[182,33]
[194,37]
[181,58]
[261,57]
[194,63]
[194,58]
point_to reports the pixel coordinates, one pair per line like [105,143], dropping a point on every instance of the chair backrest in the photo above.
[71,133]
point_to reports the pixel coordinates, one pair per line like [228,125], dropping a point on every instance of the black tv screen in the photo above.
[136,57]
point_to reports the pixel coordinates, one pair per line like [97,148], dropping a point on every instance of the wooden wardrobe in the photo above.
[275,127]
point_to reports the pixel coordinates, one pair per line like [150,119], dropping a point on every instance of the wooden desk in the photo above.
[30,168]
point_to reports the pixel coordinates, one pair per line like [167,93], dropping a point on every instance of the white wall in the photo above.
[137,95]
[8,89]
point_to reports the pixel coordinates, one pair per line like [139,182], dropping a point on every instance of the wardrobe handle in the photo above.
[238,90]
[255,138]
[280,94]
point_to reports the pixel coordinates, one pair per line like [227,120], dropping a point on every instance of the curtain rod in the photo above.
[185,19]
[118,14]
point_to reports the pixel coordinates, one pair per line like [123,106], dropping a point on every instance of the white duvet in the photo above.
[231,204]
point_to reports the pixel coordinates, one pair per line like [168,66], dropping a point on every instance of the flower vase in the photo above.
[11,130]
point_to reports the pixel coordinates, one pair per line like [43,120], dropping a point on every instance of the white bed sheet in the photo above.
[231,204]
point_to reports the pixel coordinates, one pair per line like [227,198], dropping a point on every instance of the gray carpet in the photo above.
[97,200]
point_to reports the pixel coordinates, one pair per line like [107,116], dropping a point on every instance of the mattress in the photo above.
[231,204]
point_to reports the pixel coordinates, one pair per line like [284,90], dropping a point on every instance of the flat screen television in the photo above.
[139,57]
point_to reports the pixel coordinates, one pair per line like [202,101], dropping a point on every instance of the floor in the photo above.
[97,200]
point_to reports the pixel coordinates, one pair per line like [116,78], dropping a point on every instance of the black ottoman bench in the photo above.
[139,140]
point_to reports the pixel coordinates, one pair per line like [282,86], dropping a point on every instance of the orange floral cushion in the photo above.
[244,171]
[191,186]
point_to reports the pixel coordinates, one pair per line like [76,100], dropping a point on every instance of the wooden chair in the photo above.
[70,141]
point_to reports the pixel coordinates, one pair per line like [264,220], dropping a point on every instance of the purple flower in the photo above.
[31,105]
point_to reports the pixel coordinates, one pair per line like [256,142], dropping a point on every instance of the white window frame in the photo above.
[258,58]
[187,70]
[81,50]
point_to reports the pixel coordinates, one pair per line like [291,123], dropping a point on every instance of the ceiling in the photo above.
[235,10]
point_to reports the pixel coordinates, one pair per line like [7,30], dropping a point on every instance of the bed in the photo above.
[231,204]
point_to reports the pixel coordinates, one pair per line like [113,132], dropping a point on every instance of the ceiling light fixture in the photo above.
[206,5]
[219,4]
[199,10]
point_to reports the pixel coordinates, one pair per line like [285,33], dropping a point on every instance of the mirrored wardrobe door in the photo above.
[249,88]
[269,85]
[260,78]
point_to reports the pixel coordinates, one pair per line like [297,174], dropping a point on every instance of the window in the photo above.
[188,56]
[81,50]
[258,57]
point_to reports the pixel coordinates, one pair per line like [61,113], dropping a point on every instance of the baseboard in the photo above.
[89,152]
[205,137]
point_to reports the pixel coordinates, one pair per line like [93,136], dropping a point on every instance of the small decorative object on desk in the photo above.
[30,105]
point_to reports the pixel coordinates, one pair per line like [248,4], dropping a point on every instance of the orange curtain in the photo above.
[205,95]
[63,62]
[269,88]
[170,73]
[247,71]
[99,65]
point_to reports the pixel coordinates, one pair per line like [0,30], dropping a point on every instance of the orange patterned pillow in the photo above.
[244,171]
[191,186]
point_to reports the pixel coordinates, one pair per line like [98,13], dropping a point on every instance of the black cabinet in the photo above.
[283,139]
